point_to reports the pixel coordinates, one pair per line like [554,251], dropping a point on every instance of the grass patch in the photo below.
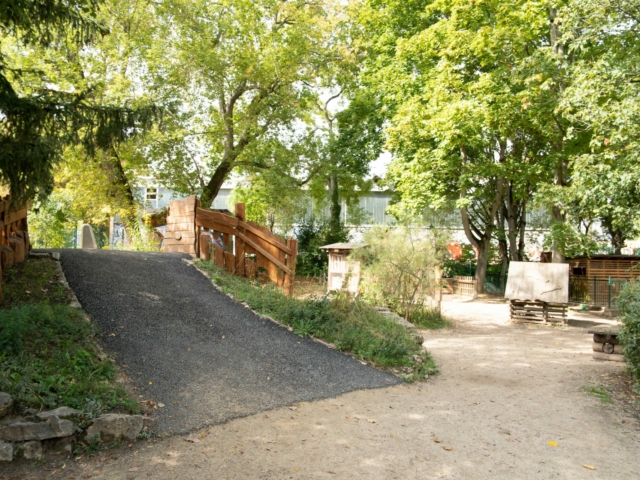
[48,352]
[352,325]
[34,281]
[428,318]
[600,393]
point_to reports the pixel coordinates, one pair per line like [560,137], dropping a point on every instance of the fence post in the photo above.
[241,216]
[609,293]
[292,243]
[595,290]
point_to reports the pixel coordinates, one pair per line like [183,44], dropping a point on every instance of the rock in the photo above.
[62,412]
[59,447]
[22,431]
[112,426]
[32,450]
[6,452]
[5,403]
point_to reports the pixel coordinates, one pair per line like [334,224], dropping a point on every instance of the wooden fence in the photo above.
[242,248]
[14,243]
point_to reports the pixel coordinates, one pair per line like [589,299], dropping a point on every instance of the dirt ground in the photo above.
[504,392]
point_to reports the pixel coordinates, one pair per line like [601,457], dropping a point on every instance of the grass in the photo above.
[428,318]
[351,325]
[600,393]
[48,352]
[34,281]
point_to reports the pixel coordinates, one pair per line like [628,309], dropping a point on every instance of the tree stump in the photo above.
[7,258]
[17,245]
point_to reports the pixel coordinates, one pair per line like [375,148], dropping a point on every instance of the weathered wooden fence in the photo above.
[15,235]
[242,248]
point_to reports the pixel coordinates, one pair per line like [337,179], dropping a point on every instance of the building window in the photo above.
[152,193]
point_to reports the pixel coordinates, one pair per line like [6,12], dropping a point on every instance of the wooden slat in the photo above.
[218,255]
[15,216]
[182,241]
[183,226]
[217,217]
[263,252]
[269,237]
[230,262]
[216,227]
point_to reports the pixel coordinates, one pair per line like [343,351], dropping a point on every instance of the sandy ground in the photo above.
[504,392]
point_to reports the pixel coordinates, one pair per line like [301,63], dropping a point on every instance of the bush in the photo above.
[429,318]
[49,359]
[629,336]
[352,325]
[399,267]
[311,235]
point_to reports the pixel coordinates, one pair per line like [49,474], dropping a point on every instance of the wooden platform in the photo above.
[538,312]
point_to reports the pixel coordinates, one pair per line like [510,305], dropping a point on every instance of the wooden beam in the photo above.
[264,253]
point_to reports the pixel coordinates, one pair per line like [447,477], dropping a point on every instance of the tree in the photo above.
[472,90]
[39,117]
[603,38]
[241,69]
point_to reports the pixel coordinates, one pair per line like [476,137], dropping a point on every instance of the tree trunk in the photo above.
[482,263]
[211,190]
[617,238]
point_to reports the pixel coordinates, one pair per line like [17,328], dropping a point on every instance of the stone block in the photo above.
[17,245]
[5,403]
[59,447]
[62,412]
[24,431]
[6,452]
[112,426]
[32,450]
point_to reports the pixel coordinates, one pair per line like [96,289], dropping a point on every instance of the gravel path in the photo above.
[193,349]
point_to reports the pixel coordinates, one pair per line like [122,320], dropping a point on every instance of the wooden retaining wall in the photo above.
[14,232]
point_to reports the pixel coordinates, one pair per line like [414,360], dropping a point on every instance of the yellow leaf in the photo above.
[150,383]
[552,443]
[589,467]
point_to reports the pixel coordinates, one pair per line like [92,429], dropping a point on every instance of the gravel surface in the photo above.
[188,346]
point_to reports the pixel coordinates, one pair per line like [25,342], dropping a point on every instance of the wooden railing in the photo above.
[14,235]
[242,248]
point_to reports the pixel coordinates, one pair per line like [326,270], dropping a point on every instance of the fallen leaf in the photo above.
[192,438]
[202,435]
[589,467]
[370,420]
[222,336]
[150,383]
[552,443]
[293,408]
[437,440]
[448,449]
[161,405]
[112,334]
[295,469]
[27,291]
[134,469]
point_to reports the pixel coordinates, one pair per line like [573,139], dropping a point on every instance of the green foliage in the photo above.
[600,393]
[570,241]
[629,335]
[311,235]
[399,266]
[41,116]
[50,359]
[429,318]
[352,325]
[50,225]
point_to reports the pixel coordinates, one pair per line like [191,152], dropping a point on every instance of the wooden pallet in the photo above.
[538,312]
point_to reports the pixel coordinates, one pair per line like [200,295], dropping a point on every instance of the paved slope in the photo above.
[186,345]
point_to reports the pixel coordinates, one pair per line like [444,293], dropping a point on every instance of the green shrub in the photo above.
[629,336]
[49,359]
[311,235]
[351,324]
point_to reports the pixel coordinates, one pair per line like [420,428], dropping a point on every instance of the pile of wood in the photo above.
[538,311]
[605,344]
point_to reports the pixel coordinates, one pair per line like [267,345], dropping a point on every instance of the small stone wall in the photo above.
[55,433]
